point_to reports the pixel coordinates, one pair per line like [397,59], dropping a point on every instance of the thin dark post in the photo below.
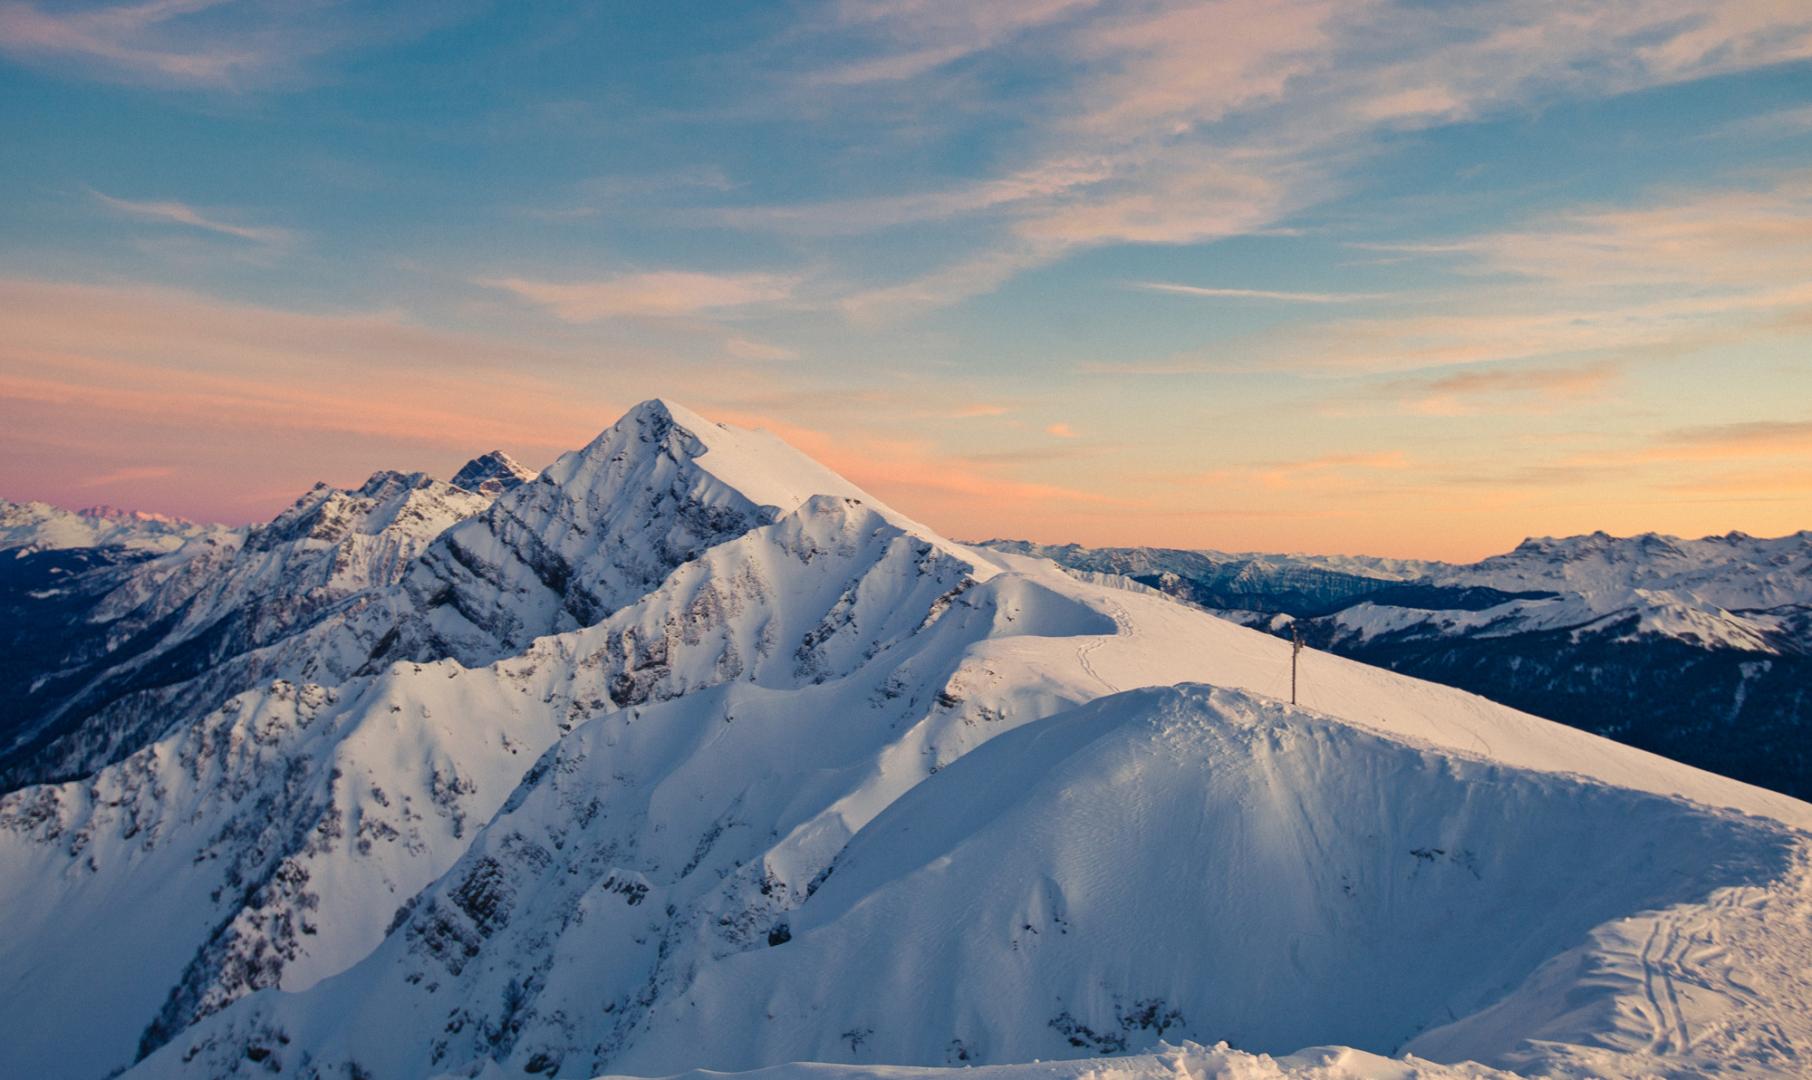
[1295,650]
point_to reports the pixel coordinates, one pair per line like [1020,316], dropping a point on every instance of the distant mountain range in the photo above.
[685,753]
[1700,650]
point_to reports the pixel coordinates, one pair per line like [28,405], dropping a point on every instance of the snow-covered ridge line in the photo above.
[37,526]
[1698,649]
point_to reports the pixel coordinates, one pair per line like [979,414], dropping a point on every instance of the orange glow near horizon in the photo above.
[144,398]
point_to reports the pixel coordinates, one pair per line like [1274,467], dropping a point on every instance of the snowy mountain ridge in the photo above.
[37,526]
[688,735]
[174,634]
[1699,649]
[1597,575]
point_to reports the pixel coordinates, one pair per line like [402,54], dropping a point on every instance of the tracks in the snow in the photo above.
[1670,1035]
[1123,625]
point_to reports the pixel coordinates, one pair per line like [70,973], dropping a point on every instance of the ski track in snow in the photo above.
[1124,625]
[1668,1023]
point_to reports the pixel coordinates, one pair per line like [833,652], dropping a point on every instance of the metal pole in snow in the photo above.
[1295,650]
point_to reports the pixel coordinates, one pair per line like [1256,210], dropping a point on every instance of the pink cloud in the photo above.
[129,475]
[657,293]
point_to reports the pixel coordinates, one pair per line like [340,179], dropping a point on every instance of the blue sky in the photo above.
[1407,278]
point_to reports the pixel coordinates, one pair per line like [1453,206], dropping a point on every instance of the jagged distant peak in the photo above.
[39,526]
[109,512]
[382,503]
[492,474]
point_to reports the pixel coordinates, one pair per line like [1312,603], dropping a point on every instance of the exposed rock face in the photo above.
[492,474]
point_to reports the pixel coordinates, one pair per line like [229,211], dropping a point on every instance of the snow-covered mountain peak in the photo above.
[492,474]
[604,524]
[752,465]
[109,512]
[1733,571]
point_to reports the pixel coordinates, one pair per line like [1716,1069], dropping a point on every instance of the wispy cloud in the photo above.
[1389,459]
[141,360]
[1061,431]
[1775,124]
[1748,485]
[1678,271]
[208,45]
[1505,389]
[177,213]
[1748,439]
[917,37]
[1749,238]
[978,409]
[129,475]
[134,40]
[749,349]
[1288,473]
[653,294]
[921,477]
[1212,292]
[1316,471]
[1196,121]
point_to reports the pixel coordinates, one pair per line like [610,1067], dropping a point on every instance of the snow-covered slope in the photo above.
[1699,649]
[691,830]
[1331,885]
[36,526]
[728,765]
[1158,864]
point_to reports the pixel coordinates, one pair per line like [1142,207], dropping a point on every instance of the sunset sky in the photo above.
[1401,278]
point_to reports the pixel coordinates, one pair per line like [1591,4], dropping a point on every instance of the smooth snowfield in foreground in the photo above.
[725,770]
